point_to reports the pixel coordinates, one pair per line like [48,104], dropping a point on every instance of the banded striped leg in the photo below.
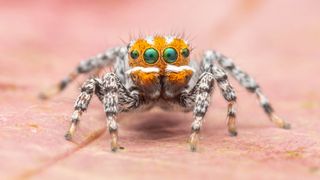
[116,96]
[110,103]
[227,91]
[270,112]
[81,105]
[229,95]
[95,63]
[199,96]
[248,82]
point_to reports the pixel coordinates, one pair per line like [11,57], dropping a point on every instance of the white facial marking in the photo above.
[143,69]
[169,39]
[172,68]
[150,39]
[131,43]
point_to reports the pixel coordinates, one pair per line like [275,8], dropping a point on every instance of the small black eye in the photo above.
[134,54]
[185,52]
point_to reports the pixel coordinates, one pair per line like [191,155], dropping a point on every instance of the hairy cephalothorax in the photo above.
[157,71]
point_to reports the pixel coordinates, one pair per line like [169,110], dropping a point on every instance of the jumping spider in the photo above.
[157,71]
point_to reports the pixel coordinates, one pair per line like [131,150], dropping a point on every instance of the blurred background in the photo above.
[275,41]
[46,33]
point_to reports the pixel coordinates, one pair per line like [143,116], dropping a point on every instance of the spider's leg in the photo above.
[116,98]
[95,64]
[81,104]
[198,99]
[227,91]
[229,95]
[246,81]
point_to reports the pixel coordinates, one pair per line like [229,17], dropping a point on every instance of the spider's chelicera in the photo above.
[157,71]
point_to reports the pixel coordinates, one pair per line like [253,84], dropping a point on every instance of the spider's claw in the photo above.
[280,122]
[114,142]
[233,133]
[232,126]
[43,96]
[194,141]
[68,136]
[48,93]
[287,126]
[116,148]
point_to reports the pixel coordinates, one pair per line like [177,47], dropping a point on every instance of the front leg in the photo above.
[87,90]
[199,98]
[116,98]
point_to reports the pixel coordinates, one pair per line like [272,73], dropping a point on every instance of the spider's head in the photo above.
[158,52]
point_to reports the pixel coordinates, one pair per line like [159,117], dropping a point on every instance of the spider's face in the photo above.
[156,53]
[160,62]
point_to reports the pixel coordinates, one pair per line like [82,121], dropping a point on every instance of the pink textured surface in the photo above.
[277,42]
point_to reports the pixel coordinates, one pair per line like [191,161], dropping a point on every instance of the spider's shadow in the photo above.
[161,125]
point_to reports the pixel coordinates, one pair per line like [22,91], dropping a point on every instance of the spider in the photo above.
[157,71]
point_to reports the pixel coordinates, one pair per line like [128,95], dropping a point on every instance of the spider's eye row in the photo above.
[134,54]
[151,55]
[185,52]
[170,55]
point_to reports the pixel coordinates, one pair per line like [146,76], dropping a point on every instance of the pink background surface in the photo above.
[275,41]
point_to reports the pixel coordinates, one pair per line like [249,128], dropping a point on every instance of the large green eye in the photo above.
[134,54]
[151,55]
[185,52]
[170,55]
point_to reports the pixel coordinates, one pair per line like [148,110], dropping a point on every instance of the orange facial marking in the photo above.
[159,43]
[144,79]
[179,78]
